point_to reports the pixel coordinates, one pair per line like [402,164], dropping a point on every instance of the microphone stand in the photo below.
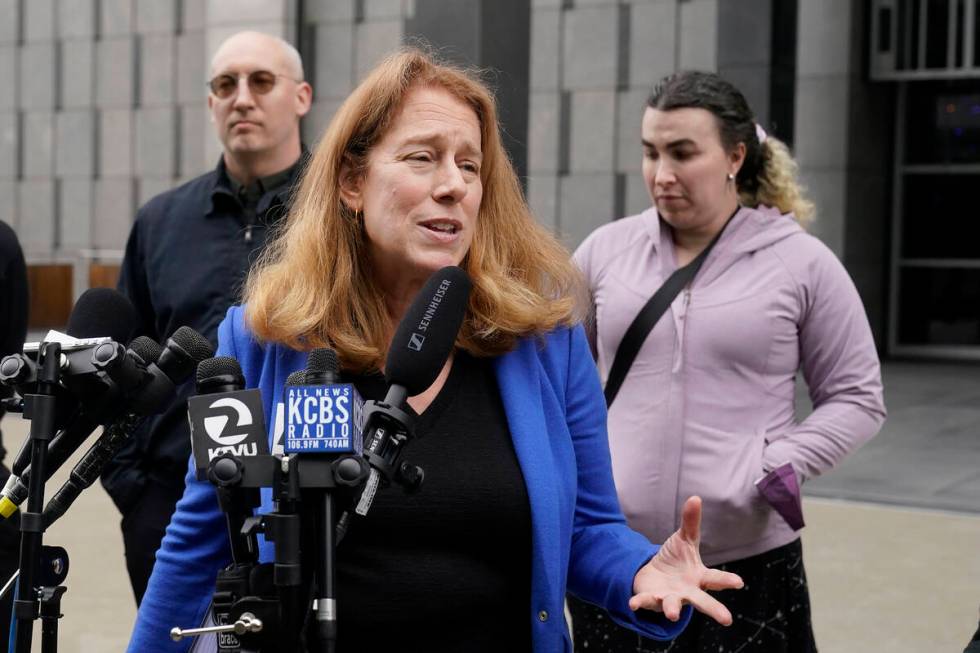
[33,602]
[301,484]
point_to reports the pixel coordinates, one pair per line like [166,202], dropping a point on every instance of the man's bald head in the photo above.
[258,43]
[258,97]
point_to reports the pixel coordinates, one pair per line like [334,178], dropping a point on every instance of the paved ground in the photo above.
[928,453]
[892,543]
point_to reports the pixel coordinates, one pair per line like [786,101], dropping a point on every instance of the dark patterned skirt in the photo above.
[771,614]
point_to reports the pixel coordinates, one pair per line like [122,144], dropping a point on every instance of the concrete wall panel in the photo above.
[544,133]
[374,41]
[821,117]
[698,35]
[193,68]
[652,42]
[115,83]
[9,62]
[195,131]
[156,16]
[593,131]
[37,76]
[39,20]
[76,19]
[542,196]
[158,70]
[546,50]
[76,199]
[9,138]
[9,21]
[156,142]
[631,105]
[77,74]
[587,201]
[75,144]
[590,49]
[36,221]
[331,11]
[37,138]
[116,17]
[335,60]
[116,143]
[115,208]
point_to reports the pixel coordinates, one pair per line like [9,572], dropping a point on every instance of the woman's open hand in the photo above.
[676,576]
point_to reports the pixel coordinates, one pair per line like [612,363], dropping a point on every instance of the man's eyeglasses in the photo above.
[260,82]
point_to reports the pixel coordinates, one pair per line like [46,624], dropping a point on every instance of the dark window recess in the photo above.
[884,29]
[943,122]
[939,306]
[782,78]
[937,33]
[913,27]
[902,35]
[940,218]
[976,32]
[960,31]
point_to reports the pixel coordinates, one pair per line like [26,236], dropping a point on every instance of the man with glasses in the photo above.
[189,251]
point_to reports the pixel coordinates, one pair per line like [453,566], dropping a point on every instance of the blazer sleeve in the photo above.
[194,548]
[605,552]
[841,369]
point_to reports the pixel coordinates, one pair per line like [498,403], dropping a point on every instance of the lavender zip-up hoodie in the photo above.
[708,405]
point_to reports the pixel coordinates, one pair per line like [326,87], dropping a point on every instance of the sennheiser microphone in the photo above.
[419,350]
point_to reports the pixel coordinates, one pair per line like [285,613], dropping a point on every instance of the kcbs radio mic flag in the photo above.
[323,419]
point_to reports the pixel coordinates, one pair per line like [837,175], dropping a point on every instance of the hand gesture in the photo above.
[676,575]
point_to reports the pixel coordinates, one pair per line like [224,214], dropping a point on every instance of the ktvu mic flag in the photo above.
[323,418]
[226,422]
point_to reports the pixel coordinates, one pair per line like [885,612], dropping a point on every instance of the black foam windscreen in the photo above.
[220,366]
[197,346]
[103,313]
[428,331]
[322,367]
[146,348]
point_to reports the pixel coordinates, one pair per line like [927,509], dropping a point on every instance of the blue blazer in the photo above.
[557,418]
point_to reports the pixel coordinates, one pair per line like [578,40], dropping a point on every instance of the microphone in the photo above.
[323,416]
[99,313]
[103,313]
[419,350]
[224,417]
[221,396]
[172,366]
[82,424]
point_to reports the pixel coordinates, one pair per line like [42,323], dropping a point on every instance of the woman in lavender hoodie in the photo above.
[708,405]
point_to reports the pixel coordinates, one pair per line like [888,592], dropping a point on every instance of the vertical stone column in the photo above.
[9,110]
[843,124]
[37,104]
[116,95]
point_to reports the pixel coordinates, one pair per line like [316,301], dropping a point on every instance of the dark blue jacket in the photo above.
[186,260]
[557,418]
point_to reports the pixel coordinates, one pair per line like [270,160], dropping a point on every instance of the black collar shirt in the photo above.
[186,261]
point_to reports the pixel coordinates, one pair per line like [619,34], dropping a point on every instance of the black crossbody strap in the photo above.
[648,317]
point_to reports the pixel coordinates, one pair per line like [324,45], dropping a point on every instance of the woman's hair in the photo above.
[313,286]
[769,174]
